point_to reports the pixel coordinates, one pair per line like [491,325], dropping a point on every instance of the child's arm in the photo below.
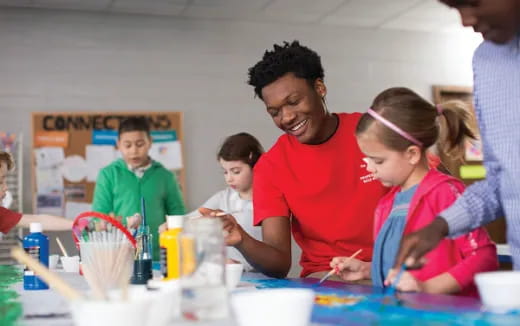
[49,222]
[103,201]
[478,255]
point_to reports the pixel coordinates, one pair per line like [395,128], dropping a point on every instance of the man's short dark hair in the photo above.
[287,58]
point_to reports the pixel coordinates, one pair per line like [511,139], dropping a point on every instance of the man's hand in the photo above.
[415,245]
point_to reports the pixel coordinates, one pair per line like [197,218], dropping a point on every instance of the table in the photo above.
[45,308]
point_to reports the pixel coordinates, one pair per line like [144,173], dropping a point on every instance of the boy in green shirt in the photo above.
[121,184]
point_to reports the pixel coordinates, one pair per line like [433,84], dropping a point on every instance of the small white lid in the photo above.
[175,221]
[35,227]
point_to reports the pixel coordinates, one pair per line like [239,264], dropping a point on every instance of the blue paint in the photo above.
[36,244]
[374,309]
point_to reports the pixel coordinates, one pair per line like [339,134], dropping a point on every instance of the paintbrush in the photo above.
[219,214]
[62,248]
[333,271]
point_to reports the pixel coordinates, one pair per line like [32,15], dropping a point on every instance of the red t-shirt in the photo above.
[8,219]
[327,190]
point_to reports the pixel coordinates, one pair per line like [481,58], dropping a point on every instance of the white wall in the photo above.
[75,61]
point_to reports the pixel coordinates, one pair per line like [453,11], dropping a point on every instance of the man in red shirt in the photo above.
[8,218]
[313,181]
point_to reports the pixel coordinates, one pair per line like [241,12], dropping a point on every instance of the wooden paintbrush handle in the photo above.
[62,247]
[52,279]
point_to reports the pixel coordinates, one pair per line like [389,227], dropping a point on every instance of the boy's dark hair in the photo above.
[241,147]
[289,57]
[134,124]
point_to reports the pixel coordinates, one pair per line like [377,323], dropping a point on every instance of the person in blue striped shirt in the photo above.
[496,73]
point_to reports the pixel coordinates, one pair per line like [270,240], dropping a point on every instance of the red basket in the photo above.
[107,219]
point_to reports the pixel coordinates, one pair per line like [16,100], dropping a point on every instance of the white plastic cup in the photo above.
[499,291]
[70,264]
[133,312]
[273,307]
[53,261]
[164,300]
[233,275]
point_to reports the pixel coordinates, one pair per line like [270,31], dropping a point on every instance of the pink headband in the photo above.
[395,128]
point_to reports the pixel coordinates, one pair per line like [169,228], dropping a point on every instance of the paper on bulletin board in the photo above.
[104,137]
[51,139]
[168,154]
[73,209]
[49,157]
[473,151]
[49,180]
[75,192]
[97,157]
[74,168]
[161,136]
[49,204]
[7,141]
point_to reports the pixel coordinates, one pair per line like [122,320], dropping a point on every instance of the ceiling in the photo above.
[417,15]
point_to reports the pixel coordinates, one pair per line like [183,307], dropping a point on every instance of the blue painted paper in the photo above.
[376,308]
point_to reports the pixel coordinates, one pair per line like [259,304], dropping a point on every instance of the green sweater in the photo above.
[119,191]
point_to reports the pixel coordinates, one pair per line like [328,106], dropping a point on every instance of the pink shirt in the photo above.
[462,257]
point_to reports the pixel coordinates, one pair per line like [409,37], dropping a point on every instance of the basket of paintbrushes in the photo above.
[107,251]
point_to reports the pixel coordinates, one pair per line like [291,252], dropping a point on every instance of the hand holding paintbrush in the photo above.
[338,265]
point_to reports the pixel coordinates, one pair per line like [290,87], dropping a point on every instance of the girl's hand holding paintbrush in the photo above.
[351,269]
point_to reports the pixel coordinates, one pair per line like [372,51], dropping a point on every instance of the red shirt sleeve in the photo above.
[268,199]
[479,254]
[8,219]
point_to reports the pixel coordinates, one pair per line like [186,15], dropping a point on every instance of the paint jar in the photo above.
[143,260]
[170,251]
[203,260]
[36,244]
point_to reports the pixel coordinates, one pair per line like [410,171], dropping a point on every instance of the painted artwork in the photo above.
[339,304]
[473,151]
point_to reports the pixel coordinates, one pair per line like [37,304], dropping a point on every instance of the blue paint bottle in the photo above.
[36,244]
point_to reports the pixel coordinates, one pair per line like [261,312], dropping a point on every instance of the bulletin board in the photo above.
[69,149]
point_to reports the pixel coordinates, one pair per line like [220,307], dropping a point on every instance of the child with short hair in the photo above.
[237,156]
[395,135]
[121,184]
[9,219]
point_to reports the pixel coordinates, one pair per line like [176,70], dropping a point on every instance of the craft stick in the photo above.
[52,279]
[62,247]
[92,280]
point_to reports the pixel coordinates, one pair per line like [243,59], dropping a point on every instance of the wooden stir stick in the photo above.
[52,279]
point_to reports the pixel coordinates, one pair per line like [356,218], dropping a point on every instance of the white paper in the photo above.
[48,157]
[73,209]
[48,180]
[168,154]
[74,168]
[97,157]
